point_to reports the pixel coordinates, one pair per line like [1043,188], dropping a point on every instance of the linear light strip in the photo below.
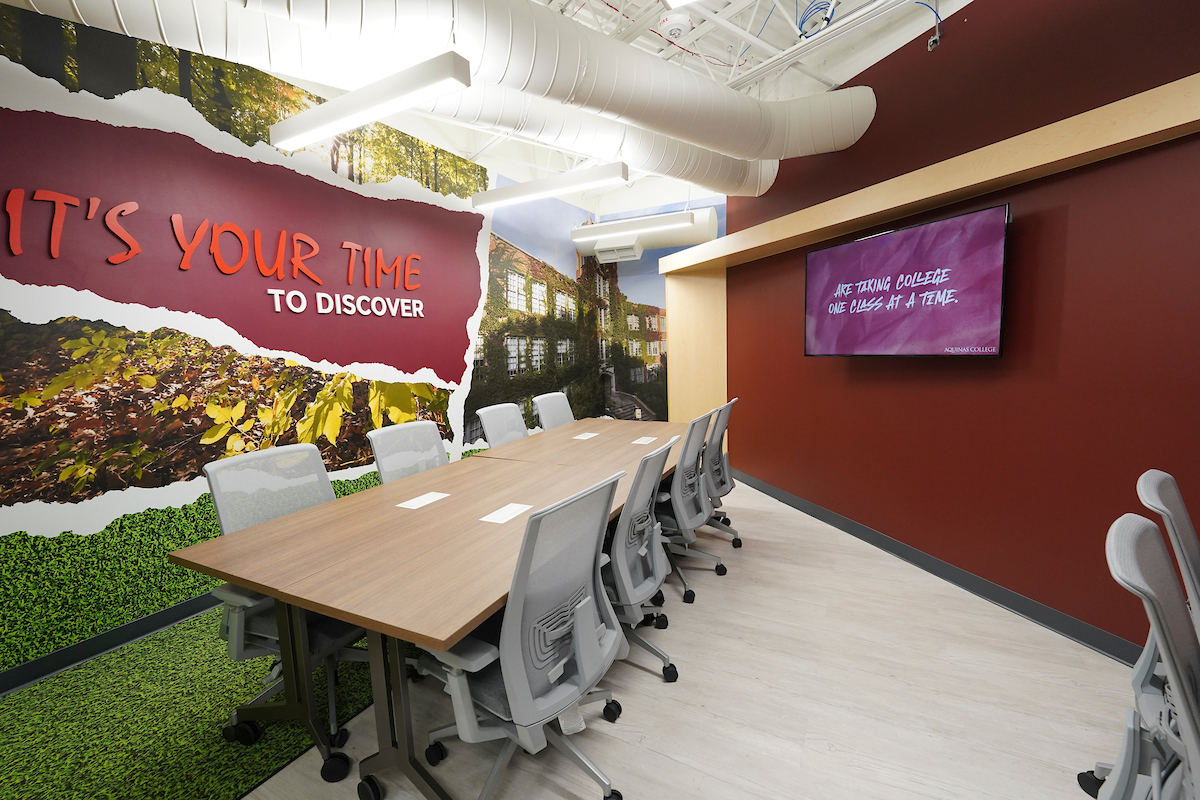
[567,182]
[634,226]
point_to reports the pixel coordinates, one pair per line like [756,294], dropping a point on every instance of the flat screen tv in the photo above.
[929,290]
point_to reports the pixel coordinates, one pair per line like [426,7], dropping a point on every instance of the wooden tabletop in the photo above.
[427,575]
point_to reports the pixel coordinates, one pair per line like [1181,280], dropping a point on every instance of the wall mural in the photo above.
[173,290]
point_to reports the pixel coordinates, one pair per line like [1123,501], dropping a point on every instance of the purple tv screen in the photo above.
[933,289]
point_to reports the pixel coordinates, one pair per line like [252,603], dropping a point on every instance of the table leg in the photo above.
[393,719]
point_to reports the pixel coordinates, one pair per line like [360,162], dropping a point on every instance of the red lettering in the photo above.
[13,204]
[381,269]
[367,266]
[61,201]
[215,247]
[409,270]
[298,260]
[354,249]
[276,268]
[93,206]
[110,219]
[189,247]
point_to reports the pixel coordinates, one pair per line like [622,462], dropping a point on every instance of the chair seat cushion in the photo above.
[487,690]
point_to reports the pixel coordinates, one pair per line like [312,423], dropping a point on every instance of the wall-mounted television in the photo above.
[930,290]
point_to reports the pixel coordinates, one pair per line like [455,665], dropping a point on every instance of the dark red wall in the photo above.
[1011,468]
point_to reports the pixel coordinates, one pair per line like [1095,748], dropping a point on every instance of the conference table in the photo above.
[427,575]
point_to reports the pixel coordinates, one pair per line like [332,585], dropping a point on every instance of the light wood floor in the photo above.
[819,667]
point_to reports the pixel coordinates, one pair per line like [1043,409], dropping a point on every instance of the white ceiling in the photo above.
[749,45]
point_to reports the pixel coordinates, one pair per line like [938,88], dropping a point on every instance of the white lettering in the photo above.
[348,303]
[364,311]
[295,298]
[324,303]
[418,307]
[406,307]
[276,294]
[381,309]
[393,305]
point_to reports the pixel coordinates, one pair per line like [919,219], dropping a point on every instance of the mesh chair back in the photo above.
[716,460]
[1159,492]
[553,410]
[557,570]
[639,563]
[1139,561]
[689,497]
[255,487]
[502,423]
[403,450]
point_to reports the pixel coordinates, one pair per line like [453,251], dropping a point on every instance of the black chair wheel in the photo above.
[723,517]
[245,733]
[689,596]
[720,569]
[737,543]
[658,599]
[660,621]
[340,738]
[613,795]
[435,754]
[1090,783]
[413,674]
[648,619]
[370,789]
[335,768]
[670,674]
[612,711]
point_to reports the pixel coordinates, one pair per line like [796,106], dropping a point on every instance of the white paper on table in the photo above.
[585,436]
[423,500]
[506,513]
[644,440]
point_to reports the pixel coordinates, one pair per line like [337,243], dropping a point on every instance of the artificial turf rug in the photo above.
[145,722]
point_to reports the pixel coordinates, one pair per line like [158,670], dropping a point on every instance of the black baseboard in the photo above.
[1086,634]
[36,669]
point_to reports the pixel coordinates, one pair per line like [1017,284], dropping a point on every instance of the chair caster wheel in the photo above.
[245,733]
[658,599]
[370,789]
[737,543]
[1090,783]
[660,621]
[435,754]
[670,674]
[648,619]
[720,569]
[335,768]
[613,795]
[612,711]
[689,596]
[340,738]
[412,674]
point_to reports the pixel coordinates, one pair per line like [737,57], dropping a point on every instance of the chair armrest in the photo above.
[469,655]
[663,497]
[233,595]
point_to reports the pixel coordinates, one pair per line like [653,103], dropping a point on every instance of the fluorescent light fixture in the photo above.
[674,4]
[632,227]
[567,182]
[426,81]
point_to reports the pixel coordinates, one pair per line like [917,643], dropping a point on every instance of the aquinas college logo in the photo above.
[973,350]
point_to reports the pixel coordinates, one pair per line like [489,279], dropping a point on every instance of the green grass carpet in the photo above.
[59,590]
[145,722]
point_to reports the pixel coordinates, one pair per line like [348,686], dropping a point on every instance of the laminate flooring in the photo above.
[819,667]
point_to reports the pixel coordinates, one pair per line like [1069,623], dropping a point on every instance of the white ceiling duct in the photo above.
[577,131]
[528,47]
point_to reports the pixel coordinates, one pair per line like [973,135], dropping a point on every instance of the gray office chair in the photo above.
[1160,759]
[553,410]
[686,506]
[637,561]
[249,489]
[502,423]
[717,478]
[1158,492]
[558,638]
[406,449]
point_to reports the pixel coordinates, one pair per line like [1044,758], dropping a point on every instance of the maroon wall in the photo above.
[1010,468]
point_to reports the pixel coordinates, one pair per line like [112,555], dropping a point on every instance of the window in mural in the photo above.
[635,347]
[633,321]
[537,354]
[516,291]
[539,297]
[566,351]
[517,348]
[564,306]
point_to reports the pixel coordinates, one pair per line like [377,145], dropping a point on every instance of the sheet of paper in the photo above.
[423,500]
[506,513]
[585,436]
[644,440]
